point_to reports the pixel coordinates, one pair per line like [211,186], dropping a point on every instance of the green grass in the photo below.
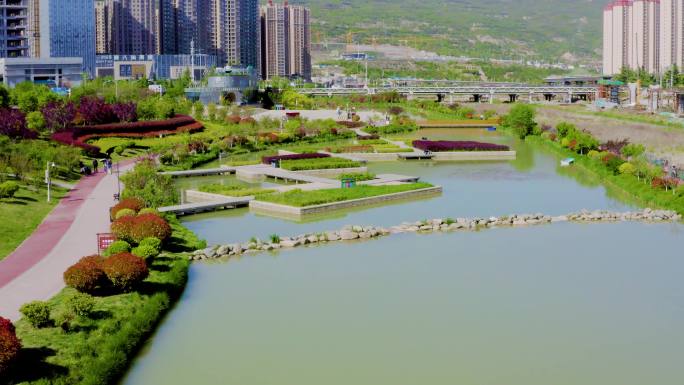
[22,214]
[234,190]
[98,350]
[357,176]
[318,164]
[299,198]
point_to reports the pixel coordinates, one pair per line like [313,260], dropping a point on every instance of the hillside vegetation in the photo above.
[541,29]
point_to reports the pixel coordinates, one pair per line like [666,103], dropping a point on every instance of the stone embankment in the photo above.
[349,233]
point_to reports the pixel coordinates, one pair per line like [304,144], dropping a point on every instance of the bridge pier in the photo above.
[548,97]
[513,98]
[440,98]
[476,98]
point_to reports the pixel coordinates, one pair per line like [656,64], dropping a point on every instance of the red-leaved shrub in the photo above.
[123,228]
[125,271]
[134,204]
[150,225]
[86,275]
[9,344]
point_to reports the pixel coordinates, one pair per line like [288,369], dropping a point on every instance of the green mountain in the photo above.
[542,29]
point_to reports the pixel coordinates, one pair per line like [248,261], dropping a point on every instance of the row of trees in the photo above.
[671,78]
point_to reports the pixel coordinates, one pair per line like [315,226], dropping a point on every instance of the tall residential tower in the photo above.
[14,34]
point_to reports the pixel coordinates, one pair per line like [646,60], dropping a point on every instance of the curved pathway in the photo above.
[34,270]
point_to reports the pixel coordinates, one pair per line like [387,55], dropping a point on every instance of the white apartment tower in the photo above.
[646,34]
[671,33]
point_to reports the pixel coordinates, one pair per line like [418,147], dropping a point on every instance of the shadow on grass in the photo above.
[13,202]
[30,199]
[33,366]
[160,267]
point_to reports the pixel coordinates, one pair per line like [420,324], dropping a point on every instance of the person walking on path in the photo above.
[95,166]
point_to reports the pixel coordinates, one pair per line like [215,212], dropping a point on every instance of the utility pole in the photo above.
[48,179]
[192,61]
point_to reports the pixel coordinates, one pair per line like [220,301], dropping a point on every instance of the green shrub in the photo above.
[593,154]
[124,213]
[360,176]
[521,120]
[275,238]
[125,271]
[627,169]
[152,242]
[564,128]
[8,189]
[37,313]
[80,304]
[632,150]
[9,345]
[149,210]
[86,275]
[117,247]
[145,251]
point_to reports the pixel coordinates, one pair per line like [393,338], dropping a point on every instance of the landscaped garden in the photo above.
[89,331]
[318,164]
[234,190]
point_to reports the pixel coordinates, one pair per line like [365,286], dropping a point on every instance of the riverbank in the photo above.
[354,232]
[641,192]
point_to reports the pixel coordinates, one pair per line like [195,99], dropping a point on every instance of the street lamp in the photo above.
[48,179]
[118,183]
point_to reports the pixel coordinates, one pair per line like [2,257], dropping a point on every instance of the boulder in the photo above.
[348,235]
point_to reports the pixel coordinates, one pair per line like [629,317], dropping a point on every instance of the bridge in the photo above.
[479,92]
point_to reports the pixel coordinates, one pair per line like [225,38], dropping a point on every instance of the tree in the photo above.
[13,124]
[4,97]
[211,112]
[521,120]
[96,111]
[626,75]
[35,121]
[125,112]
[58,116]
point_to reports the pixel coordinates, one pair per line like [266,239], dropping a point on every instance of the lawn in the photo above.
[97,350]
[234,190]
[22,214]
[299,198]
[318,164]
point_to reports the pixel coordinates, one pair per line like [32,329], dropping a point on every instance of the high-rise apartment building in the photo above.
[274,41]
[285,41]
[300,42]
[14,35]
[671,33]
[135,26]
[67,29]
[643,34]
[102,27]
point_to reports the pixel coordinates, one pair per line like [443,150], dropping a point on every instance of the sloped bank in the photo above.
[350,232]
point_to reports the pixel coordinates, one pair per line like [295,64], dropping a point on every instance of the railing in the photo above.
[450,90]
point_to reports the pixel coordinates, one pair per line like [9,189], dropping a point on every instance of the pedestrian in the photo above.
[104,166]
[111,166]
[95,166]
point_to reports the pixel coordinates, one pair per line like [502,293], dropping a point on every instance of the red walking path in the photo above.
[34,270]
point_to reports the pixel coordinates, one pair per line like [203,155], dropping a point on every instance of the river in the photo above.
[561,304]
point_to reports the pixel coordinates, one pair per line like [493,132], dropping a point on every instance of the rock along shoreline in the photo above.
[349,233]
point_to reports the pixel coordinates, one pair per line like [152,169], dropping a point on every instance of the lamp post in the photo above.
[118,182]
[48,179]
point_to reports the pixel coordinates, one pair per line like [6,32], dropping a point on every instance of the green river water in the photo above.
[560,304]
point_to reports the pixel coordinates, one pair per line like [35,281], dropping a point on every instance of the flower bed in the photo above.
[278,158]
[80,135]
[446,146]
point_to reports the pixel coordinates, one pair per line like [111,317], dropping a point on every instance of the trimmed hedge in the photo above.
[117,247]
[8,189]
[86,275]
[134,204]
[125,271]
[278,158]
[9,345]
[150,225]
[318,164]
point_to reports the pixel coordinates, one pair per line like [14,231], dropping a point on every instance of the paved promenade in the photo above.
[34,270]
